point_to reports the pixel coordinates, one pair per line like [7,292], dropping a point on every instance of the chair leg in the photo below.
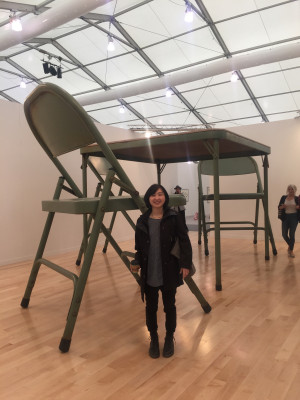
[79,289]
[256,218]
[30,284]
[83,243]
[41,248]
[272,241]
[89,222]
[271,237]
[199,296]
[88,258]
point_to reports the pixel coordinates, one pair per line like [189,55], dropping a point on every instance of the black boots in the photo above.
[154,346]
[168,350]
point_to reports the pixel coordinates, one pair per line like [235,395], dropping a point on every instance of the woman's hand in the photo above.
[184,272]
[282,206]
[134,266]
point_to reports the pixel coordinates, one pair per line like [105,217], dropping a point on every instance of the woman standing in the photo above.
[156,232]
[289,207]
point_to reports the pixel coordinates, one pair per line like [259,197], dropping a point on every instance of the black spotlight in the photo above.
[52,70]
[59,72]
[46,67]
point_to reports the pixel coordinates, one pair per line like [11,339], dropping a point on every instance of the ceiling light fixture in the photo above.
[59,72]
[234,76]
[169,92]
[59,69]
[189,14]
[52,70]
[15,22]
[46,67]
[23,84]
[111,45]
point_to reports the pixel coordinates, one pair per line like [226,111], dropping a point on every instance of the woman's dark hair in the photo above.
[153,189]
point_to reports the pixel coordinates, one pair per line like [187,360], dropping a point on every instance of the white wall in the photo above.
[28,177]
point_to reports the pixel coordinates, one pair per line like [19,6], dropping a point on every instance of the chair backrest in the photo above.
[58,122]
[61,125]
[229,166]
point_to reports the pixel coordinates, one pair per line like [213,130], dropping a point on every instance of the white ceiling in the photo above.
[152,40]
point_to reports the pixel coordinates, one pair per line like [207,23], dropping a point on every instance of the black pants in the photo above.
[289,226]
[168,297]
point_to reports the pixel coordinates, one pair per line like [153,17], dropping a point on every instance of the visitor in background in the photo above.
[288,212]
[180,209]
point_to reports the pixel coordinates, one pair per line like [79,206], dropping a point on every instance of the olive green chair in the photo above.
[61,126]
[231,167]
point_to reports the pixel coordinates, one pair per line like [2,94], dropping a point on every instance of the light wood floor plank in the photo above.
[247,348]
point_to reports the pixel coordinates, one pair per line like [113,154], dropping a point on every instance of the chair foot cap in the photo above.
[206,308]
[64,345]
[24,302]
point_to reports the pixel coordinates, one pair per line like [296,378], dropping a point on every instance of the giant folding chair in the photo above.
[61,126]
[100,167]
[230,167]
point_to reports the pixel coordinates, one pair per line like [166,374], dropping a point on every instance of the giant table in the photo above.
[196,145]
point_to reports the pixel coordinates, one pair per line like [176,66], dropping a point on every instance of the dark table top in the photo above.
[182,147]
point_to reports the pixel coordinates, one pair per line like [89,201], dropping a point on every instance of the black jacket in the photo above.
[281,213]
[171,227]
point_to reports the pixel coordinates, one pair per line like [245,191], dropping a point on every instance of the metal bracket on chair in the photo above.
[69,190]
[126,188]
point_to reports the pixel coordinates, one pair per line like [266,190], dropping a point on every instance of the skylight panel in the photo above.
[241,109]
[265,85]
[113,72]
[251,32]
[277,104]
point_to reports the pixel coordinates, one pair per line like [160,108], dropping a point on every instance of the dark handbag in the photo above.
[281,214]
[176,253]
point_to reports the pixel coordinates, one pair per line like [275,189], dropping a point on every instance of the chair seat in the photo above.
[234,196]
[89,205]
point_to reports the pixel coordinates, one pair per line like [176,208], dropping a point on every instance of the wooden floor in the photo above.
[247,348]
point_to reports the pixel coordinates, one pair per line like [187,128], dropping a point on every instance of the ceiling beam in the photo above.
[81,66]
[189,106]
[52,18]
[25,73]
[7,97]
[252,97]
[141,53]
[227,54]
[140,116]
[260,57]
[28,8]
